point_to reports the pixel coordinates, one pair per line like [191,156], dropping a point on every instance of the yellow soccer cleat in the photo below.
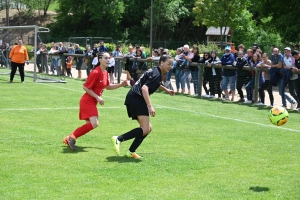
[116,144]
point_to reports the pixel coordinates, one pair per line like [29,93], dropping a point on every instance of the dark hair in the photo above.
[99,57]
[139,51]
[206,52]
[213,51]
[258,57]
[160,51]
[295,53]
[164,57]
[196,47]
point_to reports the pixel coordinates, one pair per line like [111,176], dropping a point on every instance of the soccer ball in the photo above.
[278,116]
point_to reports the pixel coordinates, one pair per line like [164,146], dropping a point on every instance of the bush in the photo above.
[29,47]
[111,47]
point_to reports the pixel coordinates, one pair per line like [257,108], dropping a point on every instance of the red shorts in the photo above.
[87,110]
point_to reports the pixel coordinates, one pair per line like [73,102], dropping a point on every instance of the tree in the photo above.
[220,13]
[166,15]
[283,16]
[131,18]
[88,18]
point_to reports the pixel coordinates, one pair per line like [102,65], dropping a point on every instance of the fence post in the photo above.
[256,84]
[118,63]
[42,62]
[63,64]
[88,68]
[6,57]
[200,70]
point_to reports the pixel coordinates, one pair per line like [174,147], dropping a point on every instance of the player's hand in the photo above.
[151,111]
[9,60]
[100,100]
[294,69]
[124,83]
[27,62]
[171,92]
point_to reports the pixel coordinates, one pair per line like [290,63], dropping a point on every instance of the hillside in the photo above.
[27,35]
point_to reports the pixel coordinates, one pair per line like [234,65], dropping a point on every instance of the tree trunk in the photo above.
[46,6]
[224,34]
[221,36]
[7,13]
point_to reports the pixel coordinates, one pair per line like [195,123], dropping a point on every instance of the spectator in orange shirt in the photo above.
[69,66]
[18,57]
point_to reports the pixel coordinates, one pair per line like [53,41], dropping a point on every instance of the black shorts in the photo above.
[111,69]
[136,106]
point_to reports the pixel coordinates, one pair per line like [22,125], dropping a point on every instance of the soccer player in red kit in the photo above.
[94,86]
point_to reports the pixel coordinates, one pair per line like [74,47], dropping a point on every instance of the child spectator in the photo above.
[111,68]
[69,66]
[95,60]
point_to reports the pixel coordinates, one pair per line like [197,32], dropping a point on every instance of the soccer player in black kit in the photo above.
[139,105]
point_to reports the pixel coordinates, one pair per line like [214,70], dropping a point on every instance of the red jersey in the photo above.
[96,81]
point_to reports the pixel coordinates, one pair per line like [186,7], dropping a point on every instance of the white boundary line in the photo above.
[233,119]
[211,115]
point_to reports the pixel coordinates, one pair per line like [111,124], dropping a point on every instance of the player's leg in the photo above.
[80,131]
[147,128]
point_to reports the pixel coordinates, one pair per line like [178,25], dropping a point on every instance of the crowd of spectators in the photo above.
[238,72]
[279,69]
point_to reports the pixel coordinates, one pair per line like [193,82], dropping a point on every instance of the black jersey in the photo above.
[152,78]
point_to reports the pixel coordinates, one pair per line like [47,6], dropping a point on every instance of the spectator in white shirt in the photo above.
[111,68]
[95,60]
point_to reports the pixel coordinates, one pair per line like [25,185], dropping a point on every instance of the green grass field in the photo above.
[199,148]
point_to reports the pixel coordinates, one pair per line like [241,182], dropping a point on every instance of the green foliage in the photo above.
[172,52]
[77,18]
[167,15]
[110,47]
[54,6]
[283,17]
[214,13]
[29,47]
[209,47]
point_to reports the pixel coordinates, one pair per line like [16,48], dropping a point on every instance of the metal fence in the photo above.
[201,70]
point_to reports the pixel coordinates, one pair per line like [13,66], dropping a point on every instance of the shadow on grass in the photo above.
[78,149]
[259,189]
[122,159]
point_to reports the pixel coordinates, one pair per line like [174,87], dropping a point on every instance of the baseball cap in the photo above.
[227,48]
[255,45]
[287,48]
